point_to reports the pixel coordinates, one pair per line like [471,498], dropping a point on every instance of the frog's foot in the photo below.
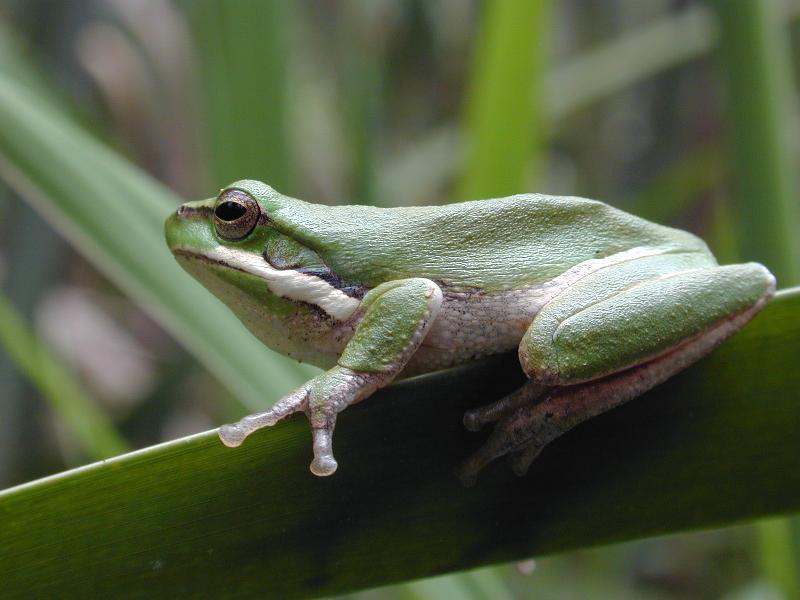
[233,435]
[322,418]
[321,399]
[521,460]
[329,394]
[476,418]
[324,463]
[511,434]
[527,430]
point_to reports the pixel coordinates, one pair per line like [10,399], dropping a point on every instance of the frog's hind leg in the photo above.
[576,349]
[476,418]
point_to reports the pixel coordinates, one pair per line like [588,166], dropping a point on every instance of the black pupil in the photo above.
[230,211]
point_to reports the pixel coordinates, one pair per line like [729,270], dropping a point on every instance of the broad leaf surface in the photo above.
[716,445]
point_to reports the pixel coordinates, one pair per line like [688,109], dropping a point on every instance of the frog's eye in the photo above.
[235,214]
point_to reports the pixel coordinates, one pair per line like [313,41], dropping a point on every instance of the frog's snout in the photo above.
[196,210]
[170,227]
[176,228]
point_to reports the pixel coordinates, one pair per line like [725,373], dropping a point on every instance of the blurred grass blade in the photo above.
[34,254]
[757,64]
[630,57]
[363,90]
[62,392]
[505,111]
[575,83]
[756,60]
[778,556]
[242,54]
[713,446]
[114,214]
[15,63]
[490,585]
[679,185]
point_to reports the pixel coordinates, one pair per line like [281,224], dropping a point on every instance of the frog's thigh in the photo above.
[730,295]
[603,283]
[580,336]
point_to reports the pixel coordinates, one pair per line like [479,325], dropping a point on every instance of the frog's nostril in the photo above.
[182,211]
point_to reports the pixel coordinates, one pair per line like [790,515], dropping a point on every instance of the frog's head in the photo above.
[235,247]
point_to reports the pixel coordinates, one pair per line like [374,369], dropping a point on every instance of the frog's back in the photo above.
[485,244]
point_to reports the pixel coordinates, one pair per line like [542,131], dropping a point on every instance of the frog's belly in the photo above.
[478,324]
[471,326]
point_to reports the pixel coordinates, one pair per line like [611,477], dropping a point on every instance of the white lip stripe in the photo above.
[289,283]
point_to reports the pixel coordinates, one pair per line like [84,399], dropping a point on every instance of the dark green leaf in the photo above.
[718,444]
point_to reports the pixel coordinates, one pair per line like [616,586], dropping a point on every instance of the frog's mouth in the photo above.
[286,283]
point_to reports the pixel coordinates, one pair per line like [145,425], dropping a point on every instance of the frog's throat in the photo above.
[288,283]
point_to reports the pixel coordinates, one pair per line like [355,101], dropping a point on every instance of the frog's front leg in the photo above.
[596,352]
[396,317]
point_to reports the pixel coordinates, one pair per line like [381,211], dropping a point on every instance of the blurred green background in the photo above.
[682,112]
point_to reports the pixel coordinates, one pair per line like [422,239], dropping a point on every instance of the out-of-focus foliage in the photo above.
[388,102]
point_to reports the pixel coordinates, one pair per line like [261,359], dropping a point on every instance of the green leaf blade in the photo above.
[716,445]
[505,106]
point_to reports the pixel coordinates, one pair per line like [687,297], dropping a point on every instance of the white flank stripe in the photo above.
[289,283]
